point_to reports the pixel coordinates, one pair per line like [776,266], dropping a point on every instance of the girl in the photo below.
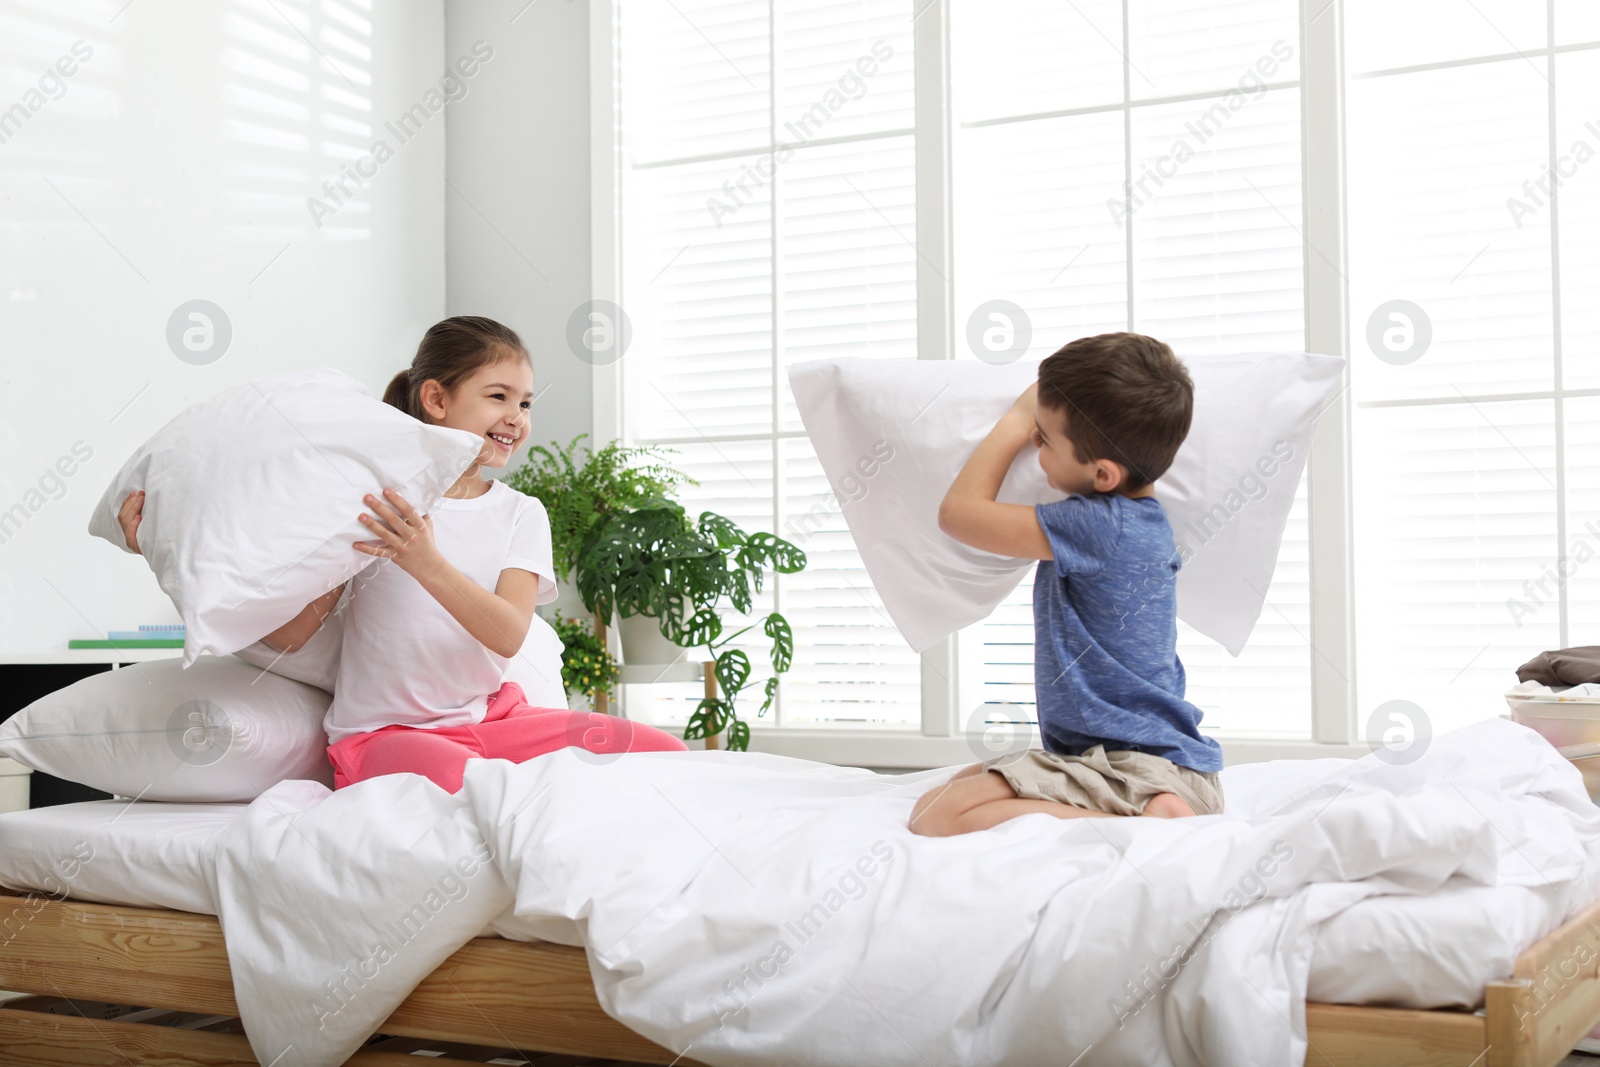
[431,626]
[427,640]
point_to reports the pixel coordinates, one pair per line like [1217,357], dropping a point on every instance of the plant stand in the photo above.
[680,673]
[602,701]
[712,740]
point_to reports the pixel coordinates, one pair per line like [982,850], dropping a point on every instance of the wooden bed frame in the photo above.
[536,997]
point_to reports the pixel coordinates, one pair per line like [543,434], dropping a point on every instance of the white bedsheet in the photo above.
[140,854]
[751,909]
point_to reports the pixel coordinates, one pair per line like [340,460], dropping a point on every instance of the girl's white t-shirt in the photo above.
[406,660]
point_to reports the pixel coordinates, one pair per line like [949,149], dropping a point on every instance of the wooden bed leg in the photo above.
[1552,999]
[1508,1011]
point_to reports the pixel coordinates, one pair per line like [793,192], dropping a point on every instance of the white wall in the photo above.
[176,164]
[517,209]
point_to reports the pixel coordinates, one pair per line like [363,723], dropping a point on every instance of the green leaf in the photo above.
[738,739]
[700,577]
[751,556]
[580,490]
[701,628]
[737,586]
[724,531]
[783,556]
[645,562]
[772,694]
[586,664]
[777,628]
[733,669]
[710,716]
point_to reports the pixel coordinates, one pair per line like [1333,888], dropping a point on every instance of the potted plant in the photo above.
[579,490]
[587,667]
[578,493]
[654,561]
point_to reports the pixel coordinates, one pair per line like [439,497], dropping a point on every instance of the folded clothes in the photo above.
[1564,666]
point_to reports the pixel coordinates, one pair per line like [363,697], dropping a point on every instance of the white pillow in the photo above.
[315,663]
[891,436]
[537,668]
[220,732]
[252,497]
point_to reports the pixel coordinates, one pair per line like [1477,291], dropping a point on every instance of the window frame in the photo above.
[941,741]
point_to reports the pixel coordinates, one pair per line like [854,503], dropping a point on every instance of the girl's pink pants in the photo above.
[512,729]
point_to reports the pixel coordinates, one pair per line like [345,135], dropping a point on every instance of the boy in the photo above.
[1107,415]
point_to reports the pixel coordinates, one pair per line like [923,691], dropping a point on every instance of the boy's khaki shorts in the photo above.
[1117,782]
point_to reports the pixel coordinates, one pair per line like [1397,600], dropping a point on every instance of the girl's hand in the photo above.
[129,515]
[405,536]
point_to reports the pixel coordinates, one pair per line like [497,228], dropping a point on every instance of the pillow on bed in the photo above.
[892,435]
[222,731]
[537,668]
[252,497]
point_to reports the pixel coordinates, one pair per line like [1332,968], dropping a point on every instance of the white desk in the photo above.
[71,656]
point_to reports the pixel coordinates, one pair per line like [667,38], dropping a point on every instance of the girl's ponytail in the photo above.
[399,395]
[450,352]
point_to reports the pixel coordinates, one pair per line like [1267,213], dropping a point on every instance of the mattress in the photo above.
[132,853]
[1427,951]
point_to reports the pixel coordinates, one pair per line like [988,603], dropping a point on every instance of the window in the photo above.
[1473,324]
[1158,193]
[768,185]
[1226,175]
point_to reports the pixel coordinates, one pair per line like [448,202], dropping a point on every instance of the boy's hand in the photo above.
[129,515]
[971,514]
[1027,405]
[405,536]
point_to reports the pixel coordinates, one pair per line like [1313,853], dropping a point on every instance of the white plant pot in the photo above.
[643,643]
[569,602]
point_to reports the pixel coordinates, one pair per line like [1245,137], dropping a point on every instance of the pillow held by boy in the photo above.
[1107,416]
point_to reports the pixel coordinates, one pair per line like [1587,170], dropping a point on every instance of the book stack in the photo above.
[148,635]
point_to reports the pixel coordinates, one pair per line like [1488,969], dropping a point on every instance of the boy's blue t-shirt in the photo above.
[1105,619]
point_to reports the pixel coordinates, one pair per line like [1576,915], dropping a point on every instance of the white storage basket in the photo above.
[1572,725]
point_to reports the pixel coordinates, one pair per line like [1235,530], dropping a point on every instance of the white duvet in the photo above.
[743,908]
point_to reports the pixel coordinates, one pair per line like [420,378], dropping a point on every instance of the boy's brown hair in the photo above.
[1126,397]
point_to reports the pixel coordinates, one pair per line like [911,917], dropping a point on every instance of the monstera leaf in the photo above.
[764,549]
[701,628]
[710,716]
[725,532]
[733,669]
[777,628]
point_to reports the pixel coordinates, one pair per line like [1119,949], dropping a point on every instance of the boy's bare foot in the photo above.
[1166,806]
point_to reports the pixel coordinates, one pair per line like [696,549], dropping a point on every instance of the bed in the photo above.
[538,998]
[128,927]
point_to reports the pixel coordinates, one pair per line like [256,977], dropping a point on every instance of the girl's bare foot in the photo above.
[1166,806]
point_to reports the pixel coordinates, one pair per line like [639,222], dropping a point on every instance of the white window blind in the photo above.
[1475,457]
[768,191]
[1577,22]
[1088,197]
